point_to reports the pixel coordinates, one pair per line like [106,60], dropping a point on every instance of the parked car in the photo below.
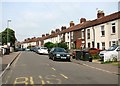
[35,49]
[110,54]
[27,49]
[42,50]
[59,53]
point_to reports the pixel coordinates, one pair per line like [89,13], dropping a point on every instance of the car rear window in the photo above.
[60,50]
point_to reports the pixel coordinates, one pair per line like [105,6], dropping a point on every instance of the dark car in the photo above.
[59,54]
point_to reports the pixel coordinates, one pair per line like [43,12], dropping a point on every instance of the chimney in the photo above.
[47,34]
[72,24]
[52,32]
[25,40]
[82,20]
[28,38]
[63,28]
[57,30]
[100,14]
[33,38]
[43,35]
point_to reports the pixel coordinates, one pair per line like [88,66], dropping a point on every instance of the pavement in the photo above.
[109,68]
[7,60]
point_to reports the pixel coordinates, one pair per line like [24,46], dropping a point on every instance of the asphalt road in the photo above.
[32,68]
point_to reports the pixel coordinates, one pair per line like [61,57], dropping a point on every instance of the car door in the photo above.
[51,53]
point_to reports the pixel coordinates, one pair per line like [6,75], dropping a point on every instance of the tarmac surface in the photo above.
[7,60]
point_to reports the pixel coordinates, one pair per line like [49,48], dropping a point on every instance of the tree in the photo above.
[62,45]
[49,45]
[8,35]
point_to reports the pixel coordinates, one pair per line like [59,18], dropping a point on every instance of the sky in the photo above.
[32,18]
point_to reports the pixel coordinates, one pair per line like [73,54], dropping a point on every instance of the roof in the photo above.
[104,19]
[84,25]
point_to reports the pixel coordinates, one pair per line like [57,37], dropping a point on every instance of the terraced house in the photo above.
[104,31]
[101,33]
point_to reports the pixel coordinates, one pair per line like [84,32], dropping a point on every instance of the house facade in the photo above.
[103,32]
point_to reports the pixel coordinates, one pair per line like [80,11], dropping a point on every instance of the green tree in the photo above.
[49,45]
[8,35]
[62,45]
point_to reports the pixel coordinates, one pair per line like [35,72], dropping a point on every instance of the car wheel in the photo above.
[54,59]
[69,60]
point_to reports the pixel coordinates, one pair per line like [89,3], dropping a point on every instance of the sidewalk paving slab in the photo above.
[97,65]
[7,61]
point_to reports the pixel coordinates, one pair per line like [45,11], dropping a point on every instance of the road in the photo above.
[31,68]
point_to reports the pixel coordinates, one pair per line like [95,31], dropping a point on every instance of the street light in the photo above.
[8,21]
[8,43]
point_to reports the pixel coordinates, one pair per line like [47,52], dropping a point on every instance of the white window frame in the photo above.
[112,27]
[71,35]
[103,47]
[88,33]
[82,34]
[102,28]
[68,35]
[113,42]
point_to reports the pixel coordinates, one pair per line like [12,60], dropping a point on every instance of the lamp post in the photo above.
[8,21]
[8,25]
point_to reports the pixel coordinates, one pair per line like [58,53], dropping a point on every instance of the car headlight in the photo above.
[68,55]
[57,54]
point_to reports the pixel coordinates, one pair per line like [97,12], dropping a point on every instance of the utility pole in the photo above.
[8,25]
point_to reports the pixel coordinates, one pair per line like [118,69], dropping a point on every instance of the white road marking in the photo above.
[53,69]
[99,69]
[42,81]
[64,76]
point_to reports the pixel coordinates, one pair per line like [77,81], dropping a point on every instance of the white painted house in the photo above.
[103,32]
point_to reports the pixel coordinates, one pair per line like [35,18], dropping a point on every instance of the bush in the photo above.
[49,45]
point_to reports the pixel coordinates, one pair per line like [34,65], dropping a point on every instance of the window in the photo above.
[113,28]
[113,42]
[109,43]
[88,34]
[68,35]
[93,45]
[71,35]
[83,35]
[102,31]
[88,45]
[98,45]
[103,45]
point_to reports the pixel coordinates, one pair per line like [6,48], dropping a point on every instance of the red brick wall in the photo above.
[78,43]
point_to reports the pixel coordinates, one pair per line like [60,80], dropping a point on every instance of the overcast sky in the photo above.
[34,18]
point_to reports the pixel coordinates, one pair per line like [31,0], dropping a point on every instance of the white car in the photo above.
[111,54]
[42,50]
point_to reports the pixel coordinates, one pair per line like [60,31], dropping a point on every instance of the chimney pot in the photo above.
[63,28]
[100,14]
[43,35]
[57,30]
[72,24]
[47,34]
[52,32]
[82,20]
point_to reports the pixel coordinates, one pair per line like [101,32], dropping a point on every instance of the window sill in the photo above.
[102,36]
[112,33]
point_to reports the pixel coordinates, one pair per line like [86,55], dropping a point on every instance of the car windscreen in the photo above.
[112,48]
[59,50]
